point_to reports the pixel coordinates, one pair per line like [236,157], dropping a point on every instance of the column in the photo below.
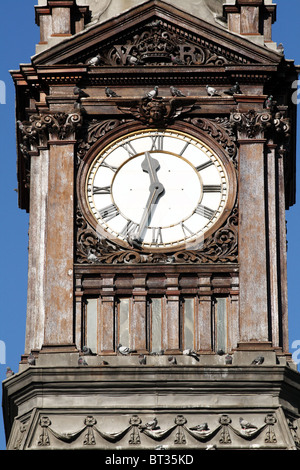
[59,243]
[253,257]
[171,323]
[138,321]
[36,251]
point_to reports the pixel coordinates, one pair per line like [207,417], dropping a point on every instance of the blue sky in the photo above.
[19,34]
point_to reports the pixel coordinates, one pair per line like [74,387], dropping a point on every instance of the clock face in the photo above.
[156,190]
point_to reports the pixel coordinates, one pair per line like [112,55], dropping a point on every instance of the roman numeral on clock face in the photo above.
[129,149]
[103,190]
[129,229]
[210,188]
[108,212]
[157,235]
[204,165]
[157,142]
[205,211]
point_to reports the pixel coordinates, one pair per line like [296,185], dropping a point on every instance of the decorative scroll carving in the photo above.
[222,247]
[60,125]
[161,43]
[91,131]
[201,433]
[157,111]
[251,123]
[220,130]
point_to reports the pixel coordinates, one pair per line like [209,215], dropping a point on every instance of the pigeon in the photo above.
[87,351]
[176,60]
[133,60]
[82,362]
[78,106]
[280,48]
[94,61]
[150,425]
[124,350]
[190,352]
[258,361]
[79,92]
[200,427]
[246,425]
[152,94]
[172,360]
[104,363]
[31,360]
[9,372]
[175,91]
[211,447]
[142,359]
[110,93]
[234,90]
[157,353]
[228,359]
[220,352]
[269,102]
[211,91]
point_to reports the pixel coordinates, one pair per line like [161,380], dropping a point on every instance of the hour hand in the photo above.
[150,165]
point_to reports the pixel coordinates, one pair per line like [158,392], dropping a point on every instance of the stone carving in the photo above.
[162,43]
[20,436]
[221,247]
[157,111]
[220,129]
[59,125]
[292,424]
[252,123]
[91,131]
[201,434]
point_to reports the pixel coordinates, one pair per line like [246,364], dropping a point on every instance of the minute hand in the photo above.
[156,189]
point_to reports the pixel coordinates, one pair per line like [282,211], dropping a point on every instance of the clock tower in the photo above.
[156,157]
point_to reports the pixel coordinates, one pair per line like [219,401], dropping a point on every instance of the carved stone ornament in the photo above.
[40,127]
[252,123]
[201,433]
[160,43]
[221,247]
[158,111]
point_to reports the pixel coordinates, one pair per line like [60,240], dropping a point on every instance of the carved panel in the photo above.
[160,43]
[216,430]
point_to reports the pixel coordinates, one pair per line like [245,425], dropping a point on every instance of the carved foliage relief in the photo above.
[160,43]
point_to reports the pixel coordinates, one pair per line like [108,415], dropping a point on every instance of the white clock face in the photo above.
[157,189]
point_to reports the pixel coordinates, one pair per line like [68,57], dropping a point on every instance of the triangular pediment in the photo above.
[153,34]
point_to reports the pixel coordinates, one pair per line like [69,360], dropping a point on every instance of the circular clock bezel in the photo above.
[124,131]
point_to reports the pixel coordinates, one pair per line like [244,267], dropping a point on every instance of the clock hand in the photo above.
[156,189]
[151,165]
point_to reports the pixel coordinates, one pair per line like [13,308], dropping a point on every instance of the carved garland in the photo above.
[201,433]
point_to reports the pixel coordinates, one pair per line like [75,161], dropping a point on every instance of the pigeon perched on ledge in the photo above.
[111,93]
[190,352]
[175,91]
[258,361]
[9,372]
[246,425]
[211,91]
[152,94]
[125,350]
